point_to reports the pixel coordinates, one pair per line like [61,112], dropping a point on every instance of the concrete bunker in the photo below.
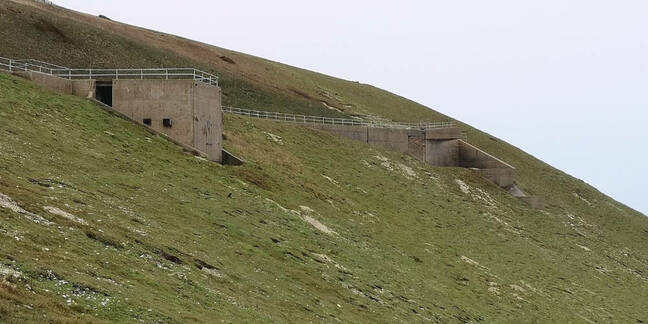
[182,104]
[185,110]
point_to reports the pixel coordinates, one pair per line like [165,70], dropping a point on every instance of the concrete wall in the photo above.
[490,167]
[158,99]
[416,147]
[208,120]
[393,139]
[84,88]
[449,133]
[357,133]
[194,109]
[47,81]
[442,153]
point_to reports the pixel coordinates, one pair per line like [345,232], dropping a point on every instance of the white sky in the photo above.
[565,80]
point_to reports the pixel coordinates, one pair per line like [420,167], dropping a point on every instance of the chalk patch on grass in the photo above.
[64,214]
[275,138]
[331,180]
[317,224]
[584,248]
[314,222]
[581,198]
[6,273]
[7,202]
[463,186]
[400,168]
[476,193]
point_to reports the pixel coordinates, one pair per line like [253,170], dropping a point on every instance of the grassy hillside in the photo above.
[103,222]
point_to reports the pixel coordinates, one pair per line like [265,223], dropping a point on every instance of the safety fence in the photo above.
[332,121]
[32,65]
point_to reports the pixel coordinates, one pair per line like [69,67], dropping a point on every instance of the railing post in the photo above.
[141,74]
[10,65]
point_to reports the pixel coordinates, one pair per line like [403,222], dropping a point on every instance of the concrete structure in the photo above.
[81,88]
[438,147]
[442,153]
[389,138]
[490,167]
[184,110]
[358,133]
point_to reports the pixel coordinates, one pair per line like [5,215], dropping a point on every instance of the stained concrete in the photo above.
[472,157]
[416,147]
[84,88]
[208,121]
[389,138]
[48,81]
[448,133]
[358,133]
[442,153]
[193,108]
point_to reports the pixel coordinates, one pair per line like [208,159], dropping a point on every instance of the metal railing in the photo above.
[108,74]
[197,75]
[332,121]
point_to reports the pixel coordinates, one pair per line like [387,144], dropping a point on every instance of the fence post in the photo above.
[10,65]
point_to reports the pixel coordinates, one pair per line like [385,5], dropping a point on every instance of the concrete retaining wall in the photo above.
[357,133]
[442,153]
[393,139]
[490,167]
[47,81]
[416,147]
[84,88]
[449,133]
[193,108]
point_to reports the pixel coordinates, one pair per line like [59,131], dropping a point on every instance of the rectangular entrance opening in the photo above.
[104,92]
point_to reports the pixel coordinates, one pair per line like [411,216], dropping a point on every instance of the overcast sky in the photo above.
[565,80]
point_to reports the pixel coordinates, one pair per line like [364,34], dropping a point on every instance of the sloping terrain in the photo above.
[103,222]
[100,221]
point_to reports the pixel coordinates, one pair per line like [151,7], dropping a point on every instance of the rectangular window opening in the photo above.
[166,122]
[147,121]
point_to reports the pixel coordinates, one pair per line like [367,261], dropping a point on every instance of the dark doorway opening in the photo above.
[104,92]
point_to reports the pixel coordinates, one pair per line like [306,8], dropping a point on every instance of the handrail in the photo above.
[197,75]
[304,119]
[84,74]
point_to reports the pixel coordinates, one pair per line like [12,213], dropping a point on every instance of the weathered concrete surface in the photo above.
[47,81]
[158,99]
[472,157]
[389,138]
[208,120]
[416,147]
[442,153]
[231,159]
[448,133]
[536,202]
[84,88]
[357,133]
[490,167]
[194,109]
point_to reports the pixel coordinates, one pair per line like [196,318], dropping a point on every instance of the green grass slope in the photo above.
[103,222]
